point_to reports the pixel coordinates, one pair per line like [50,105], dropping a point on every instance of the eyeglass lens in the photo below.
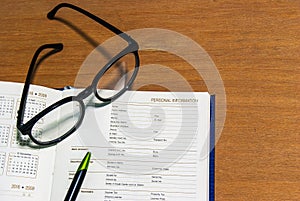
[117,77]
[57,122]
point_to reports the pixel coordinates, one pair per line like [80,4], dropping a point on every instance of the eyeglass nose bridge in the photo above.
[85,93]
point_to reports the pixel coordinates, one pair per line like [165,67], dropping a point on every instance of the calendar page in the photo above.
[25,173]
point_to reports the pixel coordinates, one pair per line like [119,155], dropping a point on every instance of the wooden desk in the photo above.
[255,46]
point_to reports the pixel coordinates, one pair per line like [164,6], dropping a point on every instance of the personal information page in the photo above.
[145,146]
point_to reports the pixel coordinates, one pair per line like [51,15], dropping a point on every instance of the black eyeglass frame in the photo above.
[26,128]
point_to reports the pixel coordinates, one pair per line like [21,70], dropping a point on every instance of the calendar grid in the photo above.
[33,107]
[6,107]
[22,165]
[2,162]
[4,134]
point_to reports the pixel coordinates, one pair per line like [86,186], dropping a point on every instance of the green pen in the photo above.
[78,178]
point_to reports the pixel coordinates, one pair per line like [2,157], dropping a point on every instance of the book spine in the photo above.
[212,150]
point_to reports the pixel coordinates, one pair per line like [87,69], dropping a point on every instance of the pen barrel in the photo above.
[75,185]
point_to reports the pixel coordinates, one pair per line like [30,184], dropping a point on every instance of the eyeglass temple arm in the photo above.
[56,47]
[51,16]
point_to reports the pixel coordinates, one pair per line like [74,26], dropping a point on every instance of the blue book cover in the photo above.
[212,150]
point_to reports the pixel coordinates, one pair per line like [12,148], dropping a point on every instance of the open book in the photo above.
[144,145]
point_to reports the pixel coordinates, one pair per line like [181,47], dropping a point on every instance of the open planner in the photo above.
[144,145]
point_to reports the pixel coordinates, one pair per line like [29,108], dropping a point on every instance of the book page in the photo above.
[25,173]
[144,145]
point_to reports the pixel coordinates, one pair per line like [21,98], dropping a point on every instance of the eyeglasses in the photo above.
[45,128]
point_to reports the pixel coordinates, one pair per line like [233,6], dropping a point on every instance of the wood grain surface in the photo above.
[255,46]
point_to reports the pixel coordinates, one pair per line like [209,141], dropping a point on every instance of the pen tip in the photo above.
[85,162]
